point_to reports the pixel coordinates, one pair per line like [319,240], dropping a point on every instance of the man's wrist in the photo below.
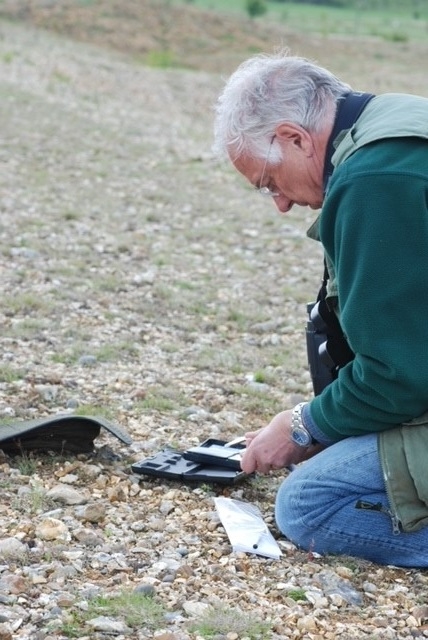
[300,435]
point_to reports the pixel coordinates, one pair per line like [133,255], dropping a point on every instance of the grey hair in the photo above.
[265,91]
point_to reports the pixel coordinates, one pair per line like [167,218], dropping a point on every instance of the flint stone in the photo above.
[13,584]
[5,632]
[93,512]
[12,548]
[67,495]
[196,609]
[52,529]
[108,625]
[88,538]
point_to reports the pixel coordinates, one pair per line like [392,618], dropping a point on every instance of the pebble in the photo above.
[146,589]
[196,609]
[67,495]
[52,529]
[12,548]
[108,625]
[338,588]
[94,512]
[87,360]
[5,632]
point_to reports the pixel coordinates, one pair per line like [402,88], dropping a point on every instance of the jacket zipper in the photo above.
[378,506]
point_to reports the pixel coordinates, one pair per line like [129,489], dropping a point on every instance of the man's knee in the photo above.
[317,499]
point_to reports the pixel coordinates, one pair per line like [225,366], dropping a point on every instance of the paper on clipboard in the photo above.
[246,528]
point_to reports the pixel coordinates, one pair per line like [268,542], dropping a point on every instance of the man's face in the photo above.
[298,178]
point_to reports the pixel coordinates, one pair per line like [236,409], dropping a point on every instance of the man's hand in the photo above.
[272,447]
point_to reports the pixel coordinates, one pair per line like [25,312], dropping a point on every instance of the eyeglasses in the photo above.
[265,191]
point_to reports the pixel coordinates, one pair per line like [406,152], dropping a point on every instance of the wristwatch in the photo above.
[299,434]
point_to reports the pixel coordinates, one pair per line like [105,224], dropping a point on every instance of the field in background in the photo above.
[399,22]
[372,50]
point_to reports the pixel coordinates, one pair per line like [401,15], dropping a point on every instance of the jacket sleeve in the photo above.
[374,228]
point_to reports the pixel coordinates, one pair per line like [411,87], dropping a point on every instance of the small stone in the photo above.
[420,613]
[70,478]
[306,623]
[196,609]
[87,361]
[5,632]
[94,512]
[12,548]
[65,600]
[118,493]
[146,589]
[166,507]
[344,572]
[91,471]
[66,495]
[88,537]
[169,577]
[47,392]
[108,625]
[185,571]
[369,587]
[52,529]
[411,622]
[147,277]
[333,585]
[13,584]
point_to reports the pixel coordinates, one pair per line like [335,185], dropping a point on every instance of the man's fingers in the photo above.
[252,434]
[248,462]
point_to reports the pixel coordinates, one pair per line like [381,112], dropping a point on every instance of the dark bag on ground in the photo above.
[60,434]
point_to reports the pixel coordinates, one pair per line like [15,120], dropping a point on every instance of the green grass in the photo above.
[119,351]
[10,374]
[392,20]
[223,620]
[24,303]
[162,399]
[93,410]
[136,610]
[297,594]
[162,59]
[35,501]
[26,464]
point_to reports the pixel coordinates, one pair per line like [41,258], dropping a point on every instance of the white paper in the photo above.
[246,528]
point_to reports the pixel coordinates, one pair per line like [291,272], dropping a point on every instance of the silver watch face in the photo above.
[301,437]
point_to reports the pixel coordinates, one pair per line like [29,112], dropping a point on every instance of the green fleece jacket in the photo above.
[374,229]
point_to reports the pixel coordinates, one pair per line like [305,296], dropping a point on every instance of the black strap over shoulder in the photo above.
[327,345]
[349,108]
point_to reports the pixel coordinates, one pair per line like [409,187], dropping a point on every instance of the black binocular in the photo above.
[326,344]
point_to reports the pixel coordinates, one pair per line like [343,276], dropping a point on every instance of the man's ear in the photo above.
[293,134]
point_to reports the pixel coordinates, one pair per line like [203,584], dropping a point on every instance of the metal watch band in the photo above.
[299,434]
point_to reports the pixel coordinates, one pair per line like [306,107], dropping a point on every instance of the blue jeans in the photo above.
[316,507]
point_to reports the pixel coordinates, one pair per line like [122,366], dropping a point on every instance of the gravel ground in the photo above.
[144,282]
